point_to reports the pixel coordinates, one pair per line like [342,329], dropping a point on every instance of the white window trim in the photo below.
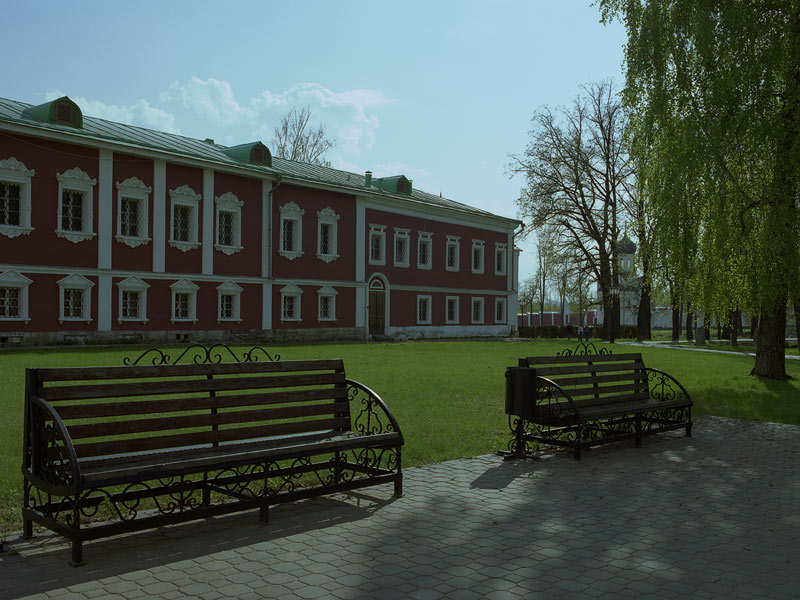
[477,245]
[453,241]
[327,216]
[12,279]
[133,284]
[481,319]
[76,282]
[77,180]
[497,303]
[229,288]
[501,248]
[447,319]
[13,171]
[425,238]
[184,196]
[292,212]
[134,188]
[379,232]
[228,202]
[295,292]
[330,293]
[429,301]
[184,286]
[404,236]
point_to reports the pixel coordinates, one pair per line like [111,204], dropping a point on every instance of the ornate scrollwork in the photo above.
[52,456]
[584,349]
[368,421]
[200,354]
[663,387]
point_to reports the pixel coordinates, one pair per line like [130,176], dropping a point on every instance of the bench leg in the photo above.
[27,529]
[689,429]
[77,554]
[638,426]
[398,486]
[263,515]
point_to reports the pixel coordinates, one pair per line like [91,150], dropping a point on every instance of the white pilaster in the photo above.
[159,215]
[104,308]
[266,229]
[361,233]
[105,209]
[266,306]
[208,222]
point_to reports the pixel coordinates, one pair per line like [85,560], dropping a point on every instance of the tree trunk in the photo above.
[643,317]
[689,324]
[676,319]
[770,350]
[733,327]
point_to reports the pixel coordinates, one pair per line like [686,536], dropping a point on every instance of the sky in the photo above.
[441,91]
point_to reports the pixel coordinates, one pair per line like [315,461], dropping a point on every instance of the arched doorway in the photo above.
[376,305]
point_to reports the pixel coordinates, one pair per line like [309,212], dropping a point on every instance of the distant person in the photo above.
[569,332]
[588,331]
[580,332]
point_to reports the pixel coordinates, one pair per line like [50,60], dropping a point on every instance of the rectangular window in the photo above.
[500,310]
[452,254]
[73,304]
[129,217]
[477,310]
[226,227]
[226,306]
[130,304]
[72,211]
[182,305]
[324,307]
[182,223]
[500,256]
[452,310]
[424,310]
[401,248]
[377,245]
[289,308]
[477,256]
[9,204]
[424,244]
[9,303]
[288,235]
[325,238]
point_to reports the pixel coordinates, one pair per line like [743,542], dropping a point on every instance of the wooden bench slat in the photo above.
[613,399]
[148,371]
[131,426]
[183,386]
[148,406]
[580,359]
[573,369]
[589,379]
[579,393]
[207,437]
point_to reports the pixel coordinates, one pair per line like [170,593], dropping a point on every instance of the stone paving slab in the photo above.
[713,516]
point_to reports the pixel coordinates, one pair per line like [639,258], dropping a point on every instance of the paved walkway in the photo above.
[713,516]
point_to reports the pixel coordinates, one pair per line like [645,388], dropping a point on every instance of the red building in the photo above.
[110,231]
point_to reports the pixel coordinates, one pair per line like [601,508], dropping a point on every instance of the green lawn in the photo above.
[447,396]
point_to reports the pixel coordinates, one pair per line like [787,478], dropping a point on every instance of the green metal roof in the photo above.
[95,129]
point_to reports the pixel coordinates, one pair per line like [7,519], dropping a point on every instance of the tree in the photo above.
[295,139]
[715,87]
[575,168]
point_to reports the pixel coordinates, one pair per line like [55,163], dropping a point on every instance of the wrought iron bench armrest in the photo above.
[551,386]
[660,384]
[366,419]
[52,474]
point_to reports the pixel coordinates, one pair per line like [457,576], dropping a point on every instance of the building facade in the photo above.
[114,232]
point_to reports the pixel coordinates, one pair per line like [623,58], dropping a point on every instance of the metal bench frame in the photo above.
[65,490]
[583,400]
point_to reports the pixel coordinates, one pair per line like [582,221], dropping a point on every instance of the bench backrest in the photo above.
[594,379]
[119,410]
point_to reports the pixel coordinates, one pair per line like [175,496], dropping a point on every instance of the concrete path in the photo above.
[713,516]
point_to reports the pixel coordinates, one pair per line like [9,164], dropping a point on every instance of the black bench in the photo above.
[579,401]
[153,445]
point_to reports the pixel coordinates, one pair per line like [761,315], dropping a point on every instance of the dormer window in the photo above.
[255,153]
[65,114]
[61,111]
[259,155]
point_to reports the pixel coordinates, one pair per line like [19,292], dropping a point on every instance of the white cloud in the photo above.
[141,113]
[347,115]
[211,98]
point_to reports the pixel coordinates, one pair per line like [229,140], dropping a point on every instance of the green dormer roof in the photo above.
[399,184]
[61,111]
[254,152]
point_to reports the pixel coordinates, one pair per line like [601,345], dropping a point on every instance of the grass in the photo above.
[447,396]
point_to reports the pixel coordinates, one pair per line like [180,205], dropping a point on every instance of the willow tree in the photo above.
[715,88]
